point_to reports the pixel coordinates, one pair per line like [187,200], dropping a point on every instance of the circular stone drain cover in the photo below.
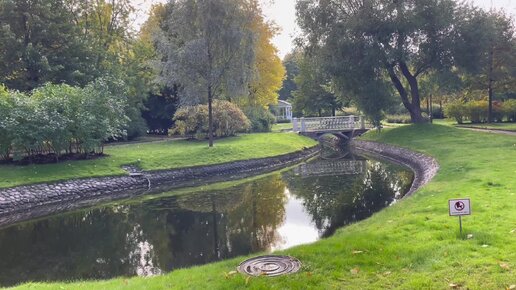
[269,266]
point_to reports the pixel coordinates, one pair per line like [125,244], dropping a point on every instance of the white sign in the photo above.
[458,207]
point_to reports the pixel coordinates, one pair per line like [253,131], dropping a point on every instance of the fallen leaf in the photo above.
[357,252]
[512,287]
[469,236]
[247,280]
[387,273]
[355,271]
[309,274]
[485,246]
[505,266]
[513,231]
[454,286]
[232,273]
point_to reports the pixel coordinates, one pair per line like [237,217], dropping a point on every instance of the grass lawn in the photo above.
[413,244]
[281,127]
[158,155]
[496,126]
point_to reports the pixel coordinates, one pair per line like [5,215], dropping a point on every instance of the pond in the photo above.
[157,234]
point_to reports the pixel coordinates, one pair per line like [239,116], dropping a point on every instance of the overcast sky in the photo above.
[283,12]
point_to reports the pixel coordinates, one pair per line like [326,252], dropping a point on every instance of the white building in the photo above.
[282,111]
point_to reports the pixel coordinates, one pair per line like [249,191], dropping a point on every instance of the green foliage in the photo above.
[39,43]
[509,109]
[207,47]
[456,110]
[398,119]
[372,48]
[477,111]
[260,118]
[314,94]
[57,119]
[290,62]
[228,120]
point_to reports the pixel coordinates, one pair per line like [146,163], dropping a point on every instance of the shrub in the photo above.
[57,119]
[261,119]
[228,120]
[398,119]
[456,110]
[477,111]
[6,123]
[509,110]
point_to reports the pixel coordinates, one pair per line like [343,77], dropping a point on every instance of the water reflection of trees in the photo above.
[144,239]
[195,228]
[335,201]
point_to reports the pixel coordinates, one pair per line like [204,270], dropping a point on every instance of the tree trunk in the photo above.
[210,117]
[414,106]
[490,88]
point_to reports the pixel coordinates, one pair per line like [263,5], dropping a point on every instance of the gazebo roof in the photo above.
[282,103]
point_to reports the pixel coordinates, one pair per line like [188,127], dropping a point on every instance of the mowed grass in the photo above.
[496,126]
[282,127]
[413,244]
[158,155]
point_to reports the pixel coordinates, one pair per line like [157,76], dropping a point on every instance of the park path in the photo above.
[495,131]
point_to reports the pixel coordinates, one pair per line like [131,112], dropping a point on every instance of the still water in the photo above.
[158,234]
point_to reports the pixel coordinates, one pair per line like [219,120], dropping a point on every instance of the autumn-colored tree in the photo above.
[269,69]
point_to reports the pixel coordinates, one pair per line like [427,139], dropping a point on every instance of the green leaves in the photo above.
[61,119]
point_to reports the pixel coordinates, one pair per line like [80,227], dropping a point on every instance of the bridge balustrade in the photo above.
[328,123]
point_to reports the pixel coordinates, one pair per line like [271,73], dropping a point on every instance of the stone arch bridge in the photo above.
[344,127]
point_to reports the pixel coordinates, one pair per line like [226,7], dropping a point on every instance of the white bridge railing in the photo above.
[328,123]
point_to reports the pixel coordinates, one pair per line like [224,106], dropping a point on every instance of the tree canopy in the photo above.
[380,44]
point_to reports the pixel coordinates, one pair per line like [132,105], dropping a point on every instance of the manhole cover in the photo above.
[269,266]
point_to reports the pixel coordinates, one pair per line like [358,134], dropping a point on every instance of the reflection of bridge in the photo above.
[331,167]
[344,127]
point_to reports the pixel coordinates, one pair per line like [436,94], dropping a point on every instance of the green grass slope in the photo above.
[413,244]
[158,155]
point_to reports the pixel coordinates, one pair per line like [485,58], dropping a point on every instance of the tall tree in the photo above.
[208,48]
[381,42]
[314,94]
[290,62]
[270,72]
[39,43]
[490,64]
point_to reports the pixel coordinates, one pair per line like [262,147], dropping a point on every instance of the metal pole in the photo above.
[460,225]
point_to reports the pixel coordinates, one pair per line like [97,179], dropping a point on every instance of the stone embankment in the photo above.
[25,202]
[423,166]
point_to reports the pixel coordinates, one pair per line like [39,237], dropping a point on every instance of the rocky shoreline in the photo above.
[32,201]
[423,166]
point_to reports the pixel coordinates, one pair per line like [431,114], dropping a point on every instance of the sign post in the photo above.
[459,207]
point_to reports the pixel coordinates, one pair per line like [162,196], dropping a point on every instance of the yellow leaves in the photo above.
[355,271]
[269,69]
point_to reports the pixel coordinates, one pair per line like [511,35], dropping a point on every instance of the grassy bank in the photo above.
[495,126]
[157,155]
[413,244]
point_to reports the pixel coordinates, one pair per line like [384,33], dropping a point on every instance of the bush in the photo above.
[261,119]
[477,111]
[509,110]
[398,119]
[57,119]
[228,120]
[456,110]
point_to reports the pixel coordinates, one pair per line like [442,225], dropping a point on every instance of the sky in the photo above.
[283,13]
